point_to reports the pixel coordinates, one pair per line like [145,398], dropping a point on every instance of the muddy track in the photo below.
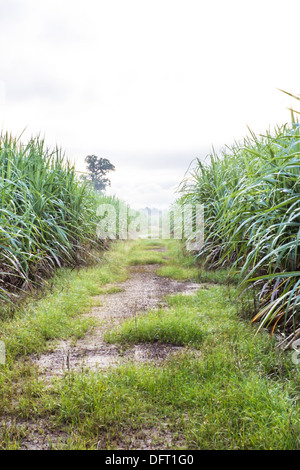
[143,290]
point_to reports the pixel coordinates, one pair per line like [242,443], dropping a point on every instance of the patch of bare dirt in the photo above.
[154,438]
[143,290]
[33,435]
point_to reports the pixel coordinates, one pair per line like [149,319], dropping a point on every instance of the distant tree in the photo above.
[98,168]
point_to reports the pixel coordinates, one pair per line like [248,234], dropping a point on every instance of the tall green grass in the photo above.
[251,194]
[47,215]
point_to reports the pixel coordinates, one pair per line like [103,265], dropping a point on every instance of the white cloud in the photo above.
[140,81]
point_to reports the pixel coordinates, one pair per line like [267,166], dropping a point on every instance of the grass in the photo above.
[141,257]
[235,394]
[56,314]
[175,326]
[225,389]
[36,325]
[250,193]
[48,216]
[178,266]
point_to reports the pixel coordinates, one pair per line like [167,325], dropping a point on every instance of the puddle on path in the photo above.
[142,291]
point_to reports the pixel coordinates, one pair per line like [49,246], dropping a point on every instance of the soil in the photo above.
[142,291]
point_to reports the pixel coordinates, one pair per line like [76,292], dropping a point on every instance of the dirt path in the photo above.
[143,290]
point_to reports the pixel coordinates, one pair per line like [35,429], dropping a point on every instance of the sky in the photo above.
[149,84]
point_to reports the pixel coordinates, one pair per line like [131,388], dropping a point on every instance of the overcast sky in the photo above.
[148,84]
